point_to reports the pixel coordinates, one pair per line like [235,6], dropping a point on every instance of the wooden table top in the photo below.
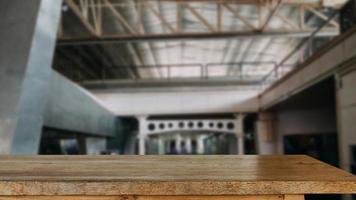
[170,175]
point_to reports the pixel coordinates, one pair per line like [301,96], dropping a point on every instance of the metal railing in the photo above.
[236,71]
[281,69]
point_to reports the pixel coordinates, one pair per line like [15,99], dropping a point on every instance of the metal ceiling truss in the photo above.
[90,12]
[202,71]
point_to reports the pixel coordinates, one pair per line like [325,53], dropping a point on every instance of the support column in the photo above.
[161,147]
[240,134]
[241,145]
[188,144]
[142,134]
[141,145]
[27,35]
[178,143]
[265,137]
[200,144]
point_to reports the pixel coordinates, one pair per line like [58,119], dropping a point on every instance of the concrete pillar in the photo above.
[240,134]
[265,138]
[161,147]
[142,145]
[142,134]
[200,144]
[27,36]
[241,145]
[188,144]
[166,145]
[178,141]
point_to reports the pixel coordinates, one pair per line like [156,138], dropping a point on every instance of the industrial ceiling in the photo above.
[132,40]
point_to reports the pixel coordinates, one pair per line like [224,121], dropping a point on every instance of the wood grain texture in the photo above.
[268,197]
[170,175]
[64,198]
[294,197]
[261,197]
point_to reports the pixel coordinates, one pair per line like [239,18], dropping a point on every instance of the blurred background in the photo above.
[156,77]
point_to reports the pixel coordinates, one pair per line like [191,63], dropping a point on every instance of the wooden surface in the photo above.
[267,197]
[170,175]
[294,197]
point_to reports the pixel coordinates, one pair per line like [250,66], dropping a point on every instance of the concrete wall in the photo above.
[272,127]
[27,39]
[180,102]
[293,122]
[347,116]
[266,142]
[70,107]
[14,44]
[301,122]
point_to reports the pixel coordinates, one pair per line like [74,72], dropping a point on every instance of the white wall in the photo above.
[180,102]
[307,121]
[347,117]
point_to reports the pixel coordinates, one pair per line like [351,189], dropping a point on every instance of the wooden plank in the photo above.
[261,197]
[252,197]
[66,198]
[168,168]
[294,197]
[16,188]
[170,175]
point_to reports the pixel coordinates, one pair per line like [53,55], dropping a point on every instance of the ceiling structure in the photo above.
[135,40]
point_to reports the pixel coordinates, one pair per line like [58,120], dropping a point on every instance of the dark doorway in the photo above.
[323,147]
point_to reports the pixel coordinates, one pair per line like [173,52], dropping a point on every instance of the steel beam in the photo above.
[212,30]
[327,32]
[159,83]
